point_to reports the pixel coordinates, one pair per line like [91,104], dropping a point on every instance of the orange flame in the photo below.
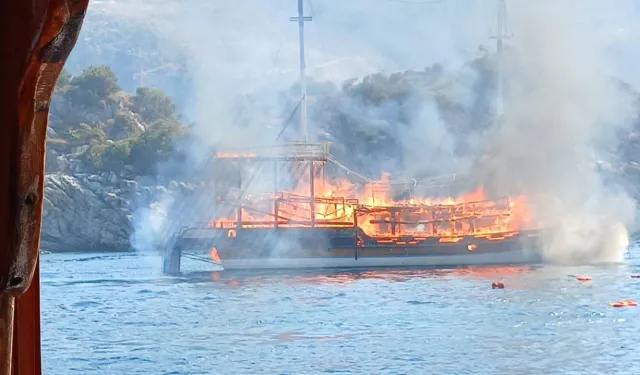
[340,203]
[215,256]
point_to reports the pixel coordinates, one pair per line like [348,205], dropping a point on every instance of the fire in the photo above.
[341,204]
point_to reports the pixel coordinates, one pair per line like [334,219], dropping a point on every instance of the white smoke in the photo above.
[562,110]
[560,101]
[151,224]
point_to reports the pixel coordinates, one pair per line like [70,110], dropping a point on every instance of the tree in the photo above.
[156,144]
[85,134]
[64,79]
[94,85]
[153,104]
[125,125]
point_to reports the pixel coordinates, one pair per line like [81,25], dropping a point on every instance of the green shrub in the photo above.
[93,86]
[155,144]
[64,79]
[153,104]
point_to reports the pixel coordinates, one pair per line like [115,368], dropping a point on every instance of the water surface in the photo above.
[116,314]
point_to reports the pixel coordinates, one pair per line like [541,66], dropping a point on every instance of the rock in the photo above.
[95,212]
[78,151]
[78,217]
[128,184]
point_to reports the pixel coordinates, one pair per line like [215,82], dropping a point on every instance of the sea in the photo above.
[117,314]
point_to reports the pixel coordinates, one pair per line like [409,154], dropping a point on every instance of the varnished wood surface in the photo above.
[36,37]
[27,358]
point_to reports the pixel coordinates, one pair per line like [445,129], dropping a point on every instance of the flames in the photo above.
[340,203]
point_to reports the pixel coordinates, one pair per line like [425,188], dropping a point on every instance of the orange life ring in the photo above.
[624,303]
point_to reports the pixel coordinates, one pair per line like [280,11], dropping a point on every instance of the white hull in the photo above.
[509,257]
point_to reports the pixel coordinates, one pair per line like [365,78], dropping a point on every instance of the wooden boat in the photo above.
[308,224]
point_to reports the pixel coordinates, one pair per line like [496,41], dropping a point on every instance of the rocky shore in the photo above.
[95,212]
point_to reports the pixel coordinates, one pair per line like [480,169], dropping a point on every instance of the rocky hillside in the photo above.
[94,212]
[103,147]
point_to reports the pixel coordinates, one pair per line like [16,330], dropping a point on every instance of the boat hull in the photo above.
[337,248]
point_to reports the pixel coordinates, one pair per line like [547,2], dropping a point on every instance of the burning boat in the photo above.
[311,220]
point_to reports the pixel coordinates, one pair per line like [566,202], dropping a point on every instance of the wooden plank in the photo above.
[38,35]
[27,357]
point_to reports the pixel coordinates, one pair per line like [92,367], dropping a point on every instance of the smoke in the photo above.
[150,223]
[562,112]
[249,48]
[434,133]
[561,107]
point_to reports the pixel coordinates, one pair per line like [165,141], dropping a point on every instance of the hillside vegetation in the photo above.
[379,122]
[95,127]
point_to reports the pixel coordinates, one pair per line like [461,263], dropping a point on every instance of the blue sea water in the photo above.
[116,314]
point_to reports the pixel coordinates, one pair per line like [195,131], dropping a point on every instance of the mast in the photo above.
[500,37]
[303,76]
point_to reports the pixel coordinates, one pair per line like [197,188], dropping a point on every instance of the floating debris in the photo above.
[584,278]
[624,303]
[497,285]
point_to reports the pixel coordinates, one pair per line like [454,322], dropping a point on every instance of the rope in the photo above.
[288,121]
[349,171]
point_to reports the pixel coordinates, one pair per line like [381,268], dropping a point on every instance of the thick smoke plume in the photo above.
[561,115]
[562,109]
[230,55]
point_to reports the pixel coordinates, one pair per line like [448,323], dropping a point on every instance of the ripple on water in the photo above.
[116,314]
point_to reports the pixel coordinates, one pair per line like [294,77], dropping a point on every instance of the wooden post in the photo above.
[322,171]
[394,221]
[27,358]
[171,263]
[239,205]
[355,232]
[276,188]
[313,194]
[38,36]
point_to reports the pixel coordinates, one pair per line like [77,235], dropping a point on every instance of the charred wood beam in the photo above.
[36,38]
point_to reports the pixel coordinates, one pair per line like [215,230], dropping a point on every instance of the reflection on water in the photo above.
[348,276]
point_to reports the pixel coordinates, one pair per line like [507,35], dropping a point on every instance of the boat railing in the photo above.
[284,151]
